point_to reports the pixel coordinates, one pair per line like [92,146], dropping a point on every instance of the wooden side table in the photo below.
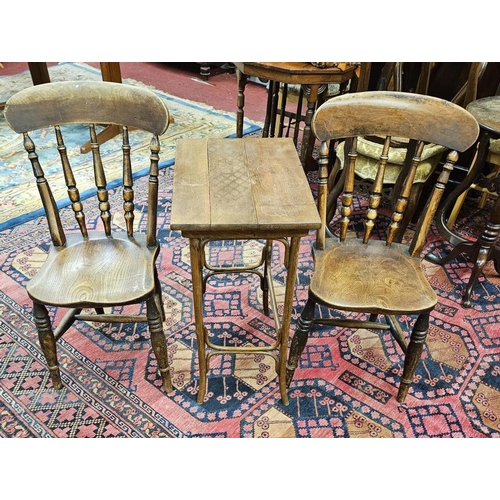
[302,73]
[240,189]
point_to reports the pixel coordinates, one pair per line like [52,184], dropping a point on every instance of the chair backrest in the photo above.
[419,118]
[93,103]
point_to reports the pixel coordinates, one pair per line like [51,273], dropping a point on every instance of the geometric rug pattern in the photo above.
[345,385]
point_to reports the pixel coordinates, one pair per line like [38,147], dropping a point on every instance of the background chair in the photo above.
[94,269]
[410,77]
[365,271]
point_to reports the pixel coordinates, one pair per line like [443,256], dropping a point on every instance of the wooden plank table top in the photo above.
[241,187]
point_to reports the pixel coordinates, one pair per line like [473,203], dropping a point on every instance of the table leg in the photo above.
[196,250]
[240,103]
[39,72]
[269,110]
[307,138]
[483,250]
[287,312]
[111,72]
[274,89]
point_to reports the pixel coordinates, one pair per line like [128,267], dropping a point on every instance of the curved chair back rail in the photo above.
[413,116]
[60,103]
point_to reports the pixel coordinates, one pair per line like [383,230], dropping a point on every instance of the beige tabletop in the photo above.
[241,187]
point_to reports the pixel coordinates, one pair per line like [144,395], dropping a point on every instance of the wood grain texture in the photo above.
[374,274]
[98,271]
[231,187]
[371,278]
[396,114]
[242,189]
[60,103]
[297,72]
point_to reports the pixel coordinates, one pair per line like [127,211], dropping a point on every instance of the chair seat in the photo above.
[371,278]
[96,272]
[495,146]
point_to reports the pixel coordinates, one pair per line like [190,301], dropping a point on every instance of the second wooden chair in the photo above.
[363,271]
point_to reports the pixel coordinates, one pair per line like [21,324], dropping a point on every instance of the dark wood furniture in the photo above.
[239,189]
[303,73]
[94,269]
[359,271]
[485,248]
[400,76]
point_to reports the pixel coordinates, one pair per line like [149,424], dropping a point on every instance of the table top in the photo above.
[298,72]
[246,188]
[487,112]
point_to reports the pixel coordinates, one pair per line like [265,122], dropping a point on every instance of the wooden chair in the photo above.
[89,269]
[362,272]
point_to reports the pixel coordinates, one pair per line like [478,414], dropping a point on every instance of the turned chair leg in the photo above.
[47,342]
[159,343]
[299,339]
[413,355]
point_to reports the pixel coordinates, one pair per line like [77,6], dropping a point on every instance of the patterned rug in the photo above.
[345,385]
[20,201]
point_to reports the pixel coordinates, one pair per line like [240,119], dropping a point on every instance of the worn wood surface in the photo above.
[86,102]
[252,187]
[242,189]
[413,116]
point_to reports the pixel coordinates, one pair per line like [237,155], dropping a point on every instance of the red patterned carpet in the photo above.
[345,385]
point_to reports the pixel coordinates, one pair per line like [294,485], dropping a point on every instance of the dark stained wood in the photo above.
[363,273]
[242,189]
[111,72]
[487,112]
[39,72]
[94,269]
[303,73]
[295,72]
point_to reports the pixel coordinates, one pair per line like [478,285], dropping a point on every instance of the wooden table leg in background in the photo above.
[39,72]
[308,138]
[240,103]
[110,73]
